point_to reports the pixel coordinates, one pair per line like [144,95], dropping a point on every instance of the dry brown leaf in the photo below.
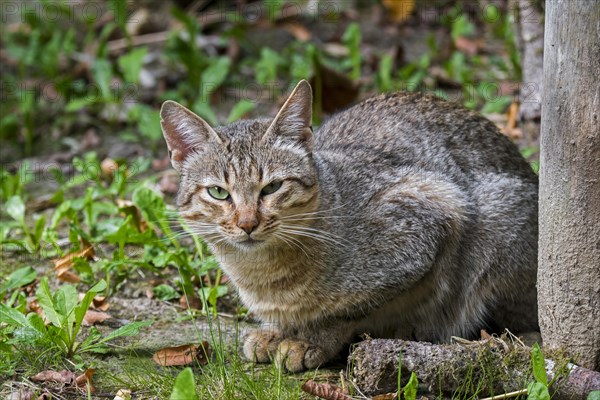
[399,9]
[85,379]
[94,317]
[386,396]
[99,303]
[468,46]
[123,394]
[169,182]
[183,355]
[108,166]
[128,208]
[325,391]
[64,376]
[190,302]
[63,265]
[484,335]
[297,30]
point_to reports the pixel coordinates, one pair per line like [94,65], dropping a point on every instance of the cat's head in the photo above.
[242,184]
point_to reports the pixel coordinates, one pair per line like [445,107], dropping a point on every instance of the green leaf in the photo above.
[202,108]
[214,76]
[16,208]
[78,104]
[46,301]
[165,292]
[594,395]
[185,387]
[12,317]
[410,390]
[240,109]
[131,64]
[539,365]
[149,124]
[21,277]
[266,67]
[537,391]
[82,307]
[102,73]
[131,329]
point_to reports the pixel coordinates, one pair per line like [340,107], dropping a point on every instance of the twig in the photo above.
[507,395]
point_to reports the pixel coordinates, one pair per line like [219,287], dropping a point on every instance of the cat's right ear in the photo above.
[184,131]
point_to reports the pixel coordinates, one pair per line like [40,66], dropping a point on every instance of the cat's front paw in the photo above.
[261,345]
[296,355]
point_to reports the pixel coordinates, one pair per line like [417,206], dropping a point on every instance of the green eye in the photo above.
[271,188]
[218,193]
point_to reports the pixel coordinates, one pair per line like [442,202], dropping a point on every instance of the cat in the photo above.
[404,215]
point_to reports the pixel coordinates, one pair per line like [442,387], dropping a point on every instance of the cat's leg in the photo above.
[260,345]
[310,348]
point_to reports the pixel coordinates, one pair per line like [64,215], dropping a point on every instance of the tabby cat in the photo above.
[403,216]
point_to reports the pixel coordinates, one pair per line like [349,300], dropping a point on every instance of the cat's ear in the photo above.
[294,120]
[184,131]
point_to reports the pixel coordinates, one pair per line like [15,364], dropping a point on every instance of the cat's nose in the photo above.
[248,224]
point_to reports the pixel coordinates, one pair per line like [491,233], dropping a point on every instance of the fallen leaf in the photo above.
[94,317]
[84,380]
[183,355]
[108,166]
[123,394]
[128,208]
[63,265]
[190,302]
[99,303]
[386,396]
[468,46]
[325,391]
[399,9]
[297,30]
[64,376]
[484,335]
[169,182]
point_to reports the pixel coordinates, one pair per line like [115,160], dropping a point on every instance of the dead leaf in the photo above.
[484,335]
[468,46]
[108,166]
[511,130]
[399,9]
[386,396]
[94,317]
[193,302]
[84,380]
[128,208]
[63,265]
[297,30]
[99,303]
[183,355]
[123,394]
[64,376]
[169,182]
[325,391]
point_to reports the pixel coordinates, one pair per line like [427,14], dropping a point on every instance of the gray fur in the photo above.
[424,224]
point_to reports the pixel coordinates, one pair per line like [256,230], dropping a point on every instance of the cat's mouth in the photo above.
[249,242]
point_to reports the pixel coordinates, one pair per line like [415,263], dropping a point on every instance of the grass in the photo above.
[112,205]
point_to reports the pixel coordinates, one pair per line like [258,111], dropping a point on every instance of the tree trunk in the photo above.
[569,246]
[529,35]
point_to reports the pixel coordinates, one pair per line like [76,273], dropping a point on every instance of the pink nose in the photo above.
[248,224]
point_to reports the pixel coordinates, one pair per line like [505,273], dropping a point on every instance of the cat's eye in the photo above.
[271,188]
[218,193]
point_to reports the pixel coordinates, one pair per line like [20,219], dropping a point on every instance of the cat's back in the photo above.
[411,129]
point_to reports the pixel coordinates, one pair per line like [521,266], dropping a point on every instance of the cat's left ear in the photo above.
[294,120]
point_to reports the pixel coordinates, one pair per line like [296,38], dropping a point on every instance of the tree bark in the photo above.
[485,368]
[569,218]
[529,35]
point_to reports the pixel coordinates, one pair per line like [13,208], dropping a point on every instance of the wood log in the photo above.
[482,368]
